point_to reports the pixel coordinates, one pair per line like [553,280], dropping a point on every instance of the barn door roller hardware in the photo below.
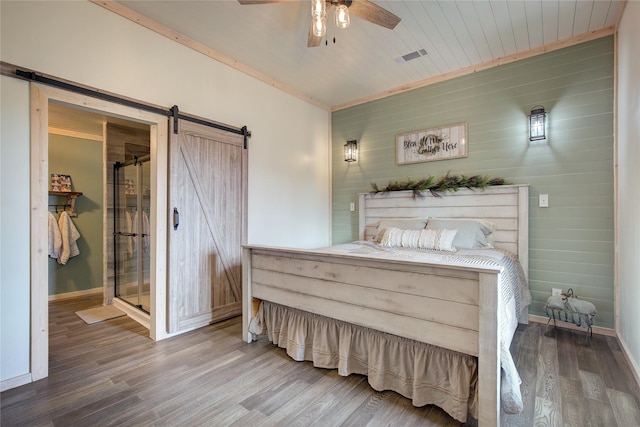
[175,113]
[172,112]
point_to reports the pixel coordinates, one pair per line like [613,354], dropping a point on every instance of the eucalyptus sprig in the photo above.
[448,182]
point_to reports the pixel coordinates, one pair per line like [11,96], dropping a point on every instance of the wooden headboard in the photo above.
[507,206]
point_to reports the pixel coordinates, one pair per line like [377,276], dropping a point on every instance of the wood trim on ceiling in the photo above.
[155,26]
[621,13]
[550,47]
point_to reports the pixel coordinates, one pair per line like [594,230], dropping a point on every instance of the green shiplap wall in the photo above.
[82,159]
[572,241]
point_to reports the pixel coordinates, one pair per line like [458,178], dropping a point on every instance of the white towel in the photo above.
[146,231]
[55,238]
[69,234]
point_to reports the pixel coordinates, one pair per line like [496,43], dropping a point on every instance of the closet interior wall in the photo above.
[82,160]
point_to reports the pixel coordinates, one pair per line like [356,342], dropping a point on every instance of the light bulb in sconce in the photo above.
[342,16]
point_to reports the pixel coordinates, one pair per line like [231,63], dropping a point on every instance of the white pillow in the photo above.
[472,233]
[403,223]
[440,239]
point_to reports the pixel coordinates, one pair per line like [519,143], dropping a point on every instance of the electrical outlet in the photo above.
[556,292]
[543,200]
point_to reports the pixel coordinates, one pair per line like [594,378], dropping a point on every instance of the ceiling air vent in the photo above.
[411,55]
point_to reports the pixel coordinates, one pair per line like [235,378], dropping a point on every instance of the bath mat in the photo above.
[99,314]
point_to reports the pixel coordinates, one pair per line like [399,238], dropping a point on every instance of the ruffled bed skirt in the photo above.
[424,373]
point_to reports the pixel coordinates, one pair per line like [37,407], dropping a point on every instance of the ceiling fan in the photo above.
[361,8]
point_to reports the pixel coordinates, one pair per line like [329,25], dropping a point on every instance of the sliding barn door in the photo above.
[207,196]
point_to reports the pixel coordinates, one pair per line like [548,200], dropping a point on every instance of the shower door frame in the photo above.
[138,236]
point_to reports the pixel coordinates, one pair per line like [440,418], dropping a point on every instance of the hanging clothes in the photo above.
[69,234]
[146,227]
[146,231]
[130,240]
[55,238]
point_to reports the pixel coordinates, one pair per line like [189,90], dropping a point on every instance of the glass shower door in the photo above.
[132,235]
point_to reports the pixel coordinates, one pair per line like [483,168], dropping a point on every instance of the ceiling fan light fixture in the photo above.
[319,26]
[318,8]
[342,16]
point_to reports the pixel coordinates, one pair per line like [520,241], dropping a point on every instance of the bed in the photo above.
[407,301]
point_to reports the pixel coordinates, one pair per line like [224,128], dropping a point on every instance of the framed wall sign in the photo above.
[426,145]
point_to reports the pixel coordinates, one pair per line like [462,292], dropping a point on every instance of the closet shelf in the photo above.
[71,197]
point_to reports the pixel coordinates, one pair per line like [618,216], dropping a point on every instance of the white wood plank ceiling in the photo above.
[272,39]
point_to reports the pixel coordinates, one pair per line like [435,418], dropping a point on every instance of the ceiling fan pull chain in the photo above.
[334,30]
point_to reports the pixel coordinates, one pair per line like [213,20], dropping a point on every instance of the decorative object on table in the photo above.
[426,145]
[568,308]
[446,183]
[60,183]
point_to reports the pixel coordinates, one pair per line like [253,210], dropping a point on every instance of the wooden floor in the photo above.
[111,373]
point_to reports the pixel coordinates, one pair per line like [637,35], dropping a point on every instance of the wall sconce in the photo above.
[537,123]
[351,150]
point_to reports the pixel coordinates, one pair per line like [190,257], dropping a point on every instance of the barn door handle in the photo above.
[176,218]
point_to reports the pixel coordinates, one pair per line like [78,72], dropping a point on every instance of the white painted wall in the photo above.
[289,200]
[14,229]
[628,178]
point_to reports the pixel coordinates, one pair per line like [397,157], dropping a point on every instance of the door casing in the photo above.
[40,96]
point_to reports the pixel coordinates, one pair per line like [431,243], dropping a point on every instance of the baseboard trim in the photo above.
[627,354]
[15,382]
[76,294]
[596,329]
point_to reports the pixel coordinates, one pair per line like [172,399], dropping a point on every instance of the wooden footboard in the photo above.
[453,307]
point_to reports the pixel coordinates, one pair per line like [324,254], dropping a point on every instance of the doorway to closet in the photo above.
[219,221]
[84,149]
[42,97]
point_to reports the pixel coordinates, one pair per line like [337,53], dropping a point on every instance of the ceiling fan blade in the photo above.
[373,13]
[313,40]
[249,2]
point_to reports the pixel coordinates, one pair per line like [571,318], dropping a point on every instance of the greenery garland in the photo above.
[447,183]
